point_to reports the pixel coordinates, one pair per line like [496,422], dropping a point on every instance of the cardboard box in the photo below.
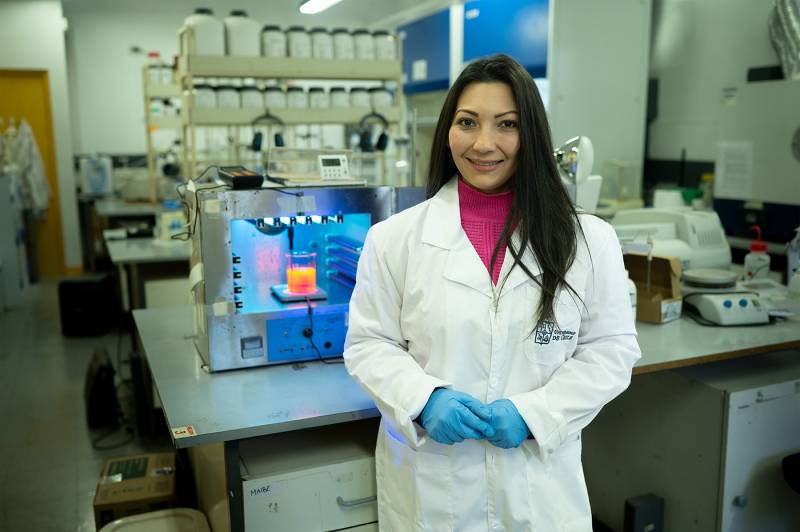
[662,303]
[133,485]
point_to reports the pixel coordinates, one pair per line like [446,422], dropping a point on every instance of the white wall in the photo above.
[597,66]
[699,48]
[32,37]
[106,79]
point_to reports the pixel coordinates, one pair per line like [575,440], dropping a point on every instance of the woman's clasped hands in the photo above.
[451,417]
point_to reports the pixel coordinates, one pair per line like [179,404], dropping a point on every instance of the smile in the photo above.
[484,165]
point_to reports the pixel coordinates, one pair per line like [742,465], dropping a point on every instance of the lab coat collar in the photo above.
[442,228]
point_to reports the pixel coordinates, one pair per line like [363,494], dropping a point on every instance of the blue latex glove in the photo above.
[510,429]
[451,417]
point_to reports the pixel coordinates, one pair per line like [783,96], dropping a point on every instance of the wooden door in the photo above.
[26,94]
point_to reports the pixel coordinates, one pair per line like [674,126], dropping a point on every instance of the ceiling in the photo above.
[350,13]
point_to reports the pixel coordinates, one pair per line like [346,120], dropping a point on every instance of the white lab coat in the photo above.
[425,314]
[28,158]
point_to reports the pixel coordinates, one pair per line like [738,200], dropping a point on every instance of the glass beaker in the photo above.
[301,272]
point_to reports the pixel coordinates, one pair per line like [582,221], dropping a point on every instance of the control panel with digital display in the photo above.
[333,167]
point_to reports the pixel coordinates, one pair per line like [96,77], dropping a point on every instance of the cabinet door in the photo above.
[514,27]
[349,497]
[290,503]
[762,429]
[426,53]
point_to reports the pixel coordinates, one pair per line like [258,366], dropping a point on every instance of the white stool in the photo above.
[172,520]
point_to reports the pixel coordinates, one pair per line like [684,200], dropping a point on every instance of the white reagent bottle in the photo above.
[756,263]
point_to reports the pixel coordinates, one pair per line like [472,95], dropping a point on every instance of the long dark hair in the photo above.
[545,216]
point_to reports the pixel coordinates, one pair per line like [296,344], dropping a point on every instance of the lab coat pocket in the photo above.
[568,475]
[434,487]
[416,484]
[553,342]
[560,476]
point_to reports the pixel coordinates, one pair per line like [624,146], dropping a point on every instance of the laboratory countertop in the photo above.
[239,404]
[139,250]
[684,343]
[254,402]
[110,208]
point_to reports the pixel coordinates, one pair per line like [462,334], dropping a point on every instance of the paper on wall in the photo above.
[419,70]
[734,170]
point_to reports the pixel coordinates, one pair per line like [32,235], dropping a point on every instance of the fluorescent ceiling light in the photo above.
[310,7]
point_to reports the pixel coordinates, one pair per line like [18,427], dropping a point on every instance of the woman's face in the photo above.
[484,136]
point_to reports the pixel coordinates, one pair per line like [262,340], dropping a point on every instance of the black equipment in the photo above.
[100,393]
[644,513]
[258,137]
[88,306]
[365,138]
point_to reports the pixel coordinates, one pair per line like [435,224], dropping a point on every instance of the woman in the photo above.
[490,324]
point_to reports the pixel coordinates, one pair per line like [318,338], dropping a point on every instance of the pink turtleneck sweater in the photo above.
[482,218]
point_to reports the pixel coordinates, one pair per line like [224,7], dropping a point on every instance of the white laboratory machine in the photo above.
[729,309]
[709,439]
[715,298]
[758,152]
[575,159]
[696,237]
[273,269]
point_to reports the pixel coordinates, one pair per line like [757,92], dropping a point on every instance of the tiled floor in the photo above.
[48,468]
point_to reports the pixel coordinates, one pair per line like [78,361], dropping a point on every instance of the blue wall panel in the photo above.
[514,27]
[428,39]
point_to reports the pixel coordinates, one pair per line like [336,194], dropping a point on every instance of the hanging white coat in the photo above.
[425,314]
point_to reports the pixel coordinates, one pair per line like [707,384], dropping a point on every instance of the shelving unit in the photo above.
[191,66]
[244,117]
[155,122]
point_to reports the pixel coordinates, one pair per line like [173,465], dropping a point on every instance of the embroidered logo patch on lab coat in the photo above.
[547,332]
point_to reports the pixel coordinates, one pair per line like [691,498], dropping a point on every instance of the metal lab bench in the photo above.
[116,212]
[202,408]
[133,255]
[137,261]
[115,208]
[227,407]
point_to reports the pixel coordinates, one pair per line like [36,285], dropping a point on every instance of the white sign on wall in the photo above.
[734,170]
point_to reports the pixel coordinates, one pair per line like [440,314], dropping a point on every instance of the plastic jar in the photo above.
[273,41]
[228,97]
[299,42]
[209,32]
[321,43]
[296,98]
[242,35]
[318,98]
[385,45]
[154,74]
[251,97]
[380,97]
[154,68]
[339,97]
[274,98]
[343,45]
[364,45]
[359,97]
[172,107]
[166,75]
[204,97]
[156,107]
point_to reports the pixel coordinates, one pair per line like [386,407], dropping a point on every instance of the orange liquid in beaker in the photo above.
[301,279]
